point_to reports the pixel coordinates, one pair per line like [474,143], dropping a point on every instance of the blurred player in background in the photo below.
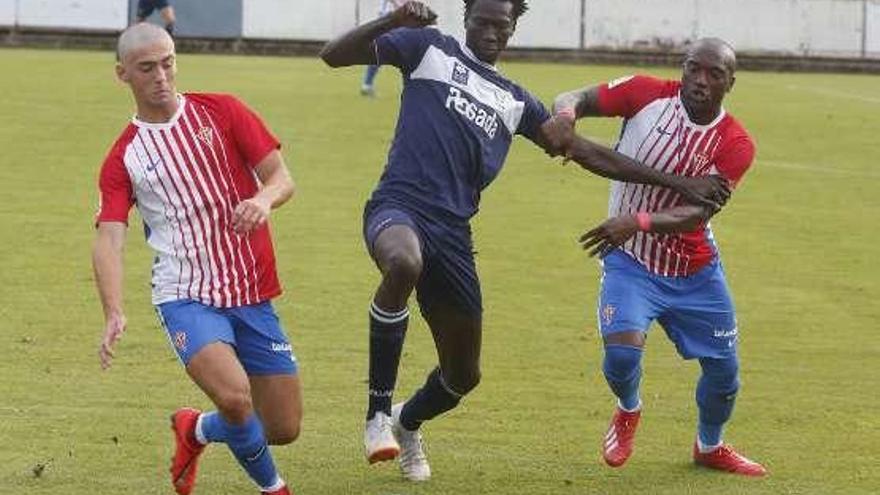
[660,261]
[367,87]
[166,11]
[204,172]
[457,120]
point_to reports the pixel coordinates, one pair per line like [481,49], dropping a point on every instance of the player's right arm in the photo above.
[117,197]
[357,47]
[107,262]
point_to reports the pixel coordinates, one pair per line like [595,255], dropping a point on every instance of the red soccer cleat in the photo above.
[618,443]
[187,450]
[724,458]
[281,491]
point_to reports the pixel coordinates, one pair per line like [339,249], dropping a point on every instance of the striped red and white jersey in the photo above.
[658,133]
[186,177]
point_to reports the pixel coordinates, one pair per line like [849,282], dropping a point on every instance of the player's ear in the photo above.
[120,72]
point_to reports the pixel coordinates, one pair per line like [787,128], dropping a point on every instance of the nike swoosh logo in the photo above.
[153,164]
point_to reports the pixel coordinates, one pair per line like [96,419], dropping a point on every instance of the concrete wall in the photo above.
[872,23]
[202,18]
[72,14]
[848,28]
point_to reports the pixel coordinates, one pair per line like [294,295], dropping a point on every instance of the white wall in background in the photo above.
[76,14]
[7,12]
[803,27]
[872,23]
[550,24]
[297,19]
[806,27]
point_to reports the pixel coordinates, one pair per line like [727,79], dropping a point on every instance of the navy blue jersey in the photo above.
[457,119]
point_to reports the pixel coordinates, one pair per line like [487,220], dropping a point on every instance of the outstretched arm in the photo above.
[617,230]
[711,191]
[107,262]
[357,47]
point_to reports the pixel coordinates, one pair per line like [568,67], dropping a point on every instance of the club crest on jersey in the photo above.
[699,161]
[460,74]
[608,313]
[180,341]
[206,135]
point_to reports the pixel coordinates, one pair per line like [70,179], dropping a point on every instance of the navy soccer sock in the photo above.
[433,399]
[247,443]
[623,372]
[387,331]
[716,395]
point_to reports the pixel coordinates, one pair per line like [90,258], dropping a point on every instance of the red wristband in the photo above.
[643,219]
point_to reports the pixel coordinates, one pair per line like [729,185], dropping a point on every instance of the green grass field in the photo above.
[799,241]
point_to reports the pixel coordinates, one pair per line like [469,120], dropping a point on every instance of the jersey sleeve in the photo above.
[733,162]
[403,47]
[252,138]
[626,96]
[534,115]
[115,190]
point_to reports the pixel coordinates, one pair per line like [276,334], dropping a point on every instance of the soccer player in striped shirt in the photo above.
[458,117]
[204,173]
[660,261]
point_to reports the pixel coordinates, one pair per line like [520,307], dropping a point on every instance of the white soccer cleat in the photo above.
[379,441]
[413,462]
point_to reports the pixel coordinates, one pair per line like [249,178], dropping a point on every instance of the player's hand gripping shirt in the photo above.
[658,133]
[457,119]
[186,177]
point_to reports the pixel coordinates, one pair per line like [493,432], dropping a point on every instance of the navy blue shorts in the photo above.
[254,331]
[449,272]
[146,7]
[696,312]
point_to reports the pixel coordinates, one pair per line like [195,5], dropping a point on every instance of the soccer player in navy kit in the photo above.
[166,11]
[457,119]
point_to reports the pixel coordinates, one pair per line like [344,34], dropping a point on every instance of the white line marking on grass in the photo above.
[833,92]
[819,169]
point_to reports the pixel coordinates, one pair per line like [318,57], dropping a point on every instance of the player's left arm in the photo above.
[617,230]
[731,164]
[276,188]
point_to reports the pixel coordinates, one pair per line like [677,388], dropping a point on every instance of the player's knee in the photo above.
[721,375]
[404,267]
[235,404]
[621,362]
[463,382]
[285,435]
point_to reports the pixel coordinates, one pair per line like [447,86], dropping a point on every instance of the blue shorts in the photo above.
[449,273]
[254,332]
[696,312]
[146,7]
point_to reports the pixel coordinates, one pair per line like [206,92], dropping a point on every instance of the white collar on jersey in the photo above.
[469,54]
[719,118]
[181,101]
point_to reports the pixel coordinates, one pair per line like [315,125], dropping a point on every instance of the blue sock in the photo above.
[247,443]
[716,395]
[370,75]
[430,401]
[623,371]
[387,331]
